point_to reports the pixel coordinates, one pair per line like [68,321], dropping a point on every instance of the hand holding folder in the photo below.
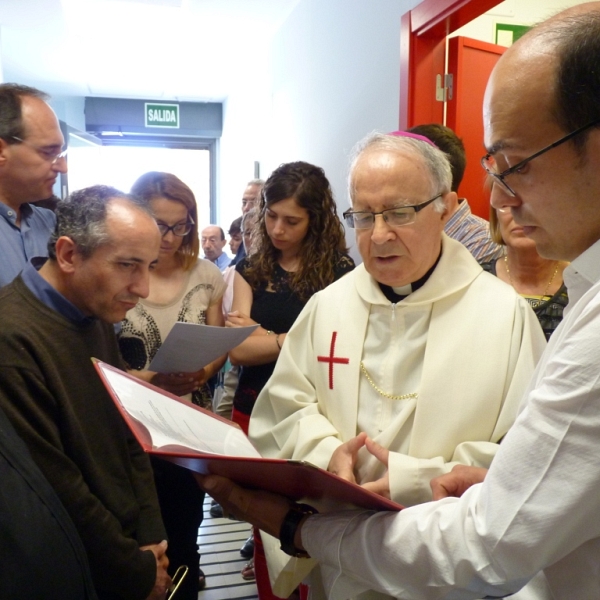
[196,439]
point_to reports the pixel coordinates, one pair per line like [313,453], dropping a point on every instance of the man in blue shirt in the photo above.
[31,157]
[213,241]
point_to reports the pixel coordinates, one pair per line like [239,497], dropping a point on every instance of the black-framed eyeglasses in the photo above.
[395,217]
[488,162]
[50,155]
[179,229]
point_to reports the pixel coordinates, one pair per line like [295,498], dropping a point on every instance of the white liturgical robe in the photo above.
[461,350]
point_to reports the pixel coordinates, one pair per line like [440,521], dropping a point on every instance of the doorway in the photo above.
[424,57]
[119,166]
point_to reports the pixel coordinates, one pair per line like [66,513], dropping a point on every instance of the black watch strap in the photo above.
[290,523]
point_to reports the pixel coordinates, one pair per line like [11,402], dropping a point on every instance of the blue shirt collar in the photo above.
[48,295]
[10,214]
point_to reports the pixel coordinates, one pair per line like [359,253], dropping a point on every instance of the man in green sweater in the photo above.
[54,317]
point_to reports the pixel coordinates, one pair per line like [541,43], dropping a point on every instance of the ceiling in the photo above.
[196,50]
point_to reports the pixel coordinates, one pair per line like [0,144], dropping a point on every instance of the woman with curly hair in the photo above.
[299,249]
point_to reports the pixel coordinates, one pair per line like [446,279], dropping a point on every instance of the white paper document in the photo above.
[190,347]
[172,423]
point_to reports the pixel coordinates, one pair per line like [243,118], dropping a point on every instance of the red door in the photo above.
[422,54]
[471,62]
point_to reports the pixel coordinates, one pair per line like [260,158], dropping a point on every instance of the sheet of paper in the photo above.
[170,422]
[189,346]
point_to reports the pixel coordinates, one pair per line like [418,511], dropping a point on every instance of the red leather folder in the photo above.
[298,480]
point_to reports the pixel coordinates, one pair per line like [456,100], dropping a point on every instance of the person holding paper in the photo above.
[299,248]
[418,347]
[54,317]
[185,288]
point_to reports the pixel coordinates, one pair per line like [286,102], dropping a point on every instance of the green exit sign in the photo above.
[162,115]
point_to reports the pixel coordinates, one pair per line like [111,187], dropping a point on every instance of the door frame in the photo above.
[423,33]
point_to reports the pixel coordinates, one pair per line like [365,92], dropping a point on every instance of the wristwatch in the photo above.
[289,526]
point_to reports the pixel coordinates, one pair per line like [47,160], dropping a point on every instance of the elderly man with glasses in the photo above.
[418,348]
[31,158]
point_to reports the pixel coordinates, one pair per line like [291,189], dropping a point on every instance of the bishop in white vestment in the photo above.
[434,375]
[436,378]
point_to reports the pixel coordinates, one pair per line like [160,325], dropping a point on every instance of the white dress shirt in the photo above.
[538,508]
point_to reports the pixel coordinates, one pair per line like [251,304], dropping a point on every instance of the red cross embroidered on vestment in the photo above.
[331,359]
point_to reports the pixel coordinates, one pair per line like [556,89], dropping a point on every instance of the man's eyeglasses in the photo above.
[179,229]
[52,156]
[488,162]
[395,217]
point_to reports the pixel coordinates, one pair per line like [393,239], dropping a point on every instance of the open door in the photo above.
[470,63]
[423,51]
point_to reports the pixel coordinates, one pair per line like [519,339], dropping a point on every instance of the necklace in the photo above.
[380,391]
[513,283]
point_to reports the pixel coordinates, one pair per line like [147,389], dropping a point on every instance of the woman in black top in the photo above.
[300,249]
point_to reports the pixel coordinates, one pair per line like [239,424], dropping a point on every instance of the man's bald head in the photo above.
[213,241]
[543,90]
[566,47]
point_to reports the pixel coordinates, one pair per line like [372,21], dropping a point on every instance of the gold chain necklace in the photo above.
[513,283]
[380,391]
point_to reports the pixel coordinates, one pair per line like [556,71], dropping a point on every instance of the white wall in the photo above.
[333,77]
[330,76]
[245,122]
[70,109]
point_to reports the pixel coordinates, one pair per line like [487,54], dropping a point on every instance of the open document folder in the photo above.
[189,347]
[201,441]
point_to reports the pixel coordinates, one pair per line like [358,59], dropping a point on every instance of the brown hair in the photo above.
[154,185]
[324,241]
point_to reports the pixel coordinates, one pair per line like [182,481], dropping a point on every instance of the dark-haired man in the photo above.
[471,231]
[537,508]
[31,157]
[235,235]
[54,317]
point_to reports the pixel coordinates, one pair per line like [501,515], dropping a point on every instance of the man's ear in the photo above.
[451,203]
[67,256]
[4,149]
